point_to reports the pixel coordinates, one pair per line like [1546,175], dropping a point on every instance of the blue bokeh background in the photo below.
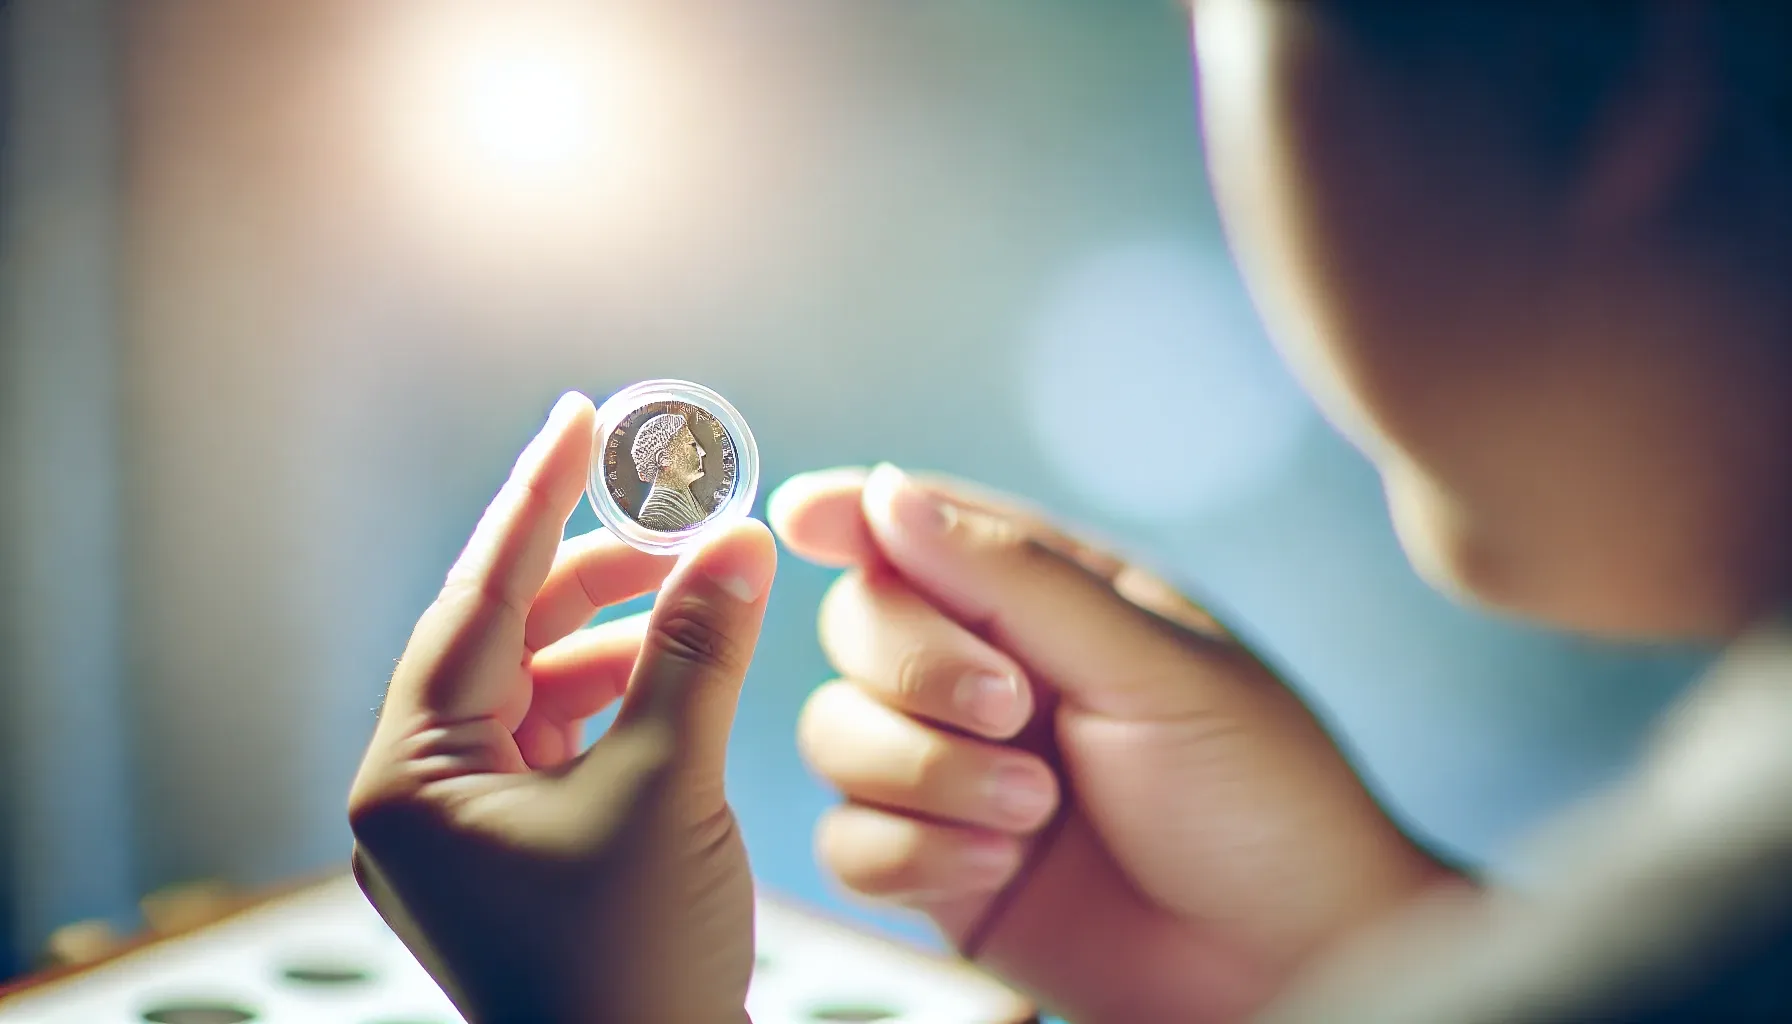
[969,237]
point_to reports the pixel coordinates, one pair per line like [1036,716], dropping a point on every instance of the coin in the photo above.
[669,465]
[672,458]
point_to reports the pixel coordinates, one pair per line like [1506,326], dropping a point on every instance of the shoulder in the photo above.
[1668,898]
[656,512]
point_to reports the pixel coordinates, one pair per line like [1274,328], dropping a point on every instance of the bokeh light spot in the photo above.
[1151,387]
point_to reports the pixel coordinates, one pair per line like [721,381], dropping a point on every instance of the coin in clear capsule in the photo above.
[672,460]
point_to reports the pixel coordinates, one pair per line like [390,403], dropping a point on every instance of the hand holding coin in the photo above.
[534,880]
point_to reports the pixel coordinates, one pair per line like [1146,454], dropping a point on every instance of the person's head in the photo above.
[666,452]
[1532,256]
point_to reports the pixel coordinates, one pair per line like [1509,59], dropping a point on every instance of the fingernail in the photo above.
[738,588]
[1018,793]
[989,698]
[912,509]
[741,575]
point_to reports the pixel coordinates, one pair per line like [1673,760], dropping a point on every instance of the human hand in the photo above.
[534,881]
[1090,788]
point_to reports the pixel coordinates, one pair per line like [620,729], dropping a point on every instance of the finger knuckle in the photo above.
[472,602]
[928,765]
[990,532]
[529,495]
[460,598]
[913,677]
[1008,540]
[379,814]
[696,633]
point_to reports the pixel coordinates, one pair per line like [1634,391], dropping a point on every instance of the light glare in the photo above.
[526,110]
[511,123]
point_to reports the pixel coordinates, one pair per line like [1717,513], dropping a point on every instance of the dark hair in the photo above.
[1561,60]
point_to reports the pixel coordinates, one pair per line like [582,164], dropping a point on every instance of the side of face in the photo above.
[1575,419]
[683,461]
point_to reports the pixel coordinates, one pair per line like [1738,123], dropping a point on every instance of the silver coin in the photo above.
[669,466]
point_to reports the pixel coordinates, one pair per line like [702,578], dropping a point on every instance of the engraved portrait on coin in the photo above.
[668,458]
[669,465]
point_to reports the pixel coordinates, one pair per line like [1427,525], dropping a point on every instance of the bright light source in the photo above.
[512,121]
[525,112]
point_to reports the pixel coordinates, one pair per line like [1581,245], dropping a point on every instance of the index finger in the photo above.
[513,546]
[821,517]
[475,627]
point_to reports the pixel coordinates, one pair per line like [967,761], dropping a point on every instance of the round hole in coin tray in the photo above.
[198,1011]
[853,1013]
[326,974]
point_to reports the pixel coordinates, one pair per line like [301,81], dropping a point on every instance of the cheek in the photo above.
[1345,226]
[1344,230]
[1260,180]
[1425,284]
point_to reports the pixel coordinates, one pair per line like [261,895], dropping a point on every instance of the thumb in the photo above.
[1060,617]
[700,639]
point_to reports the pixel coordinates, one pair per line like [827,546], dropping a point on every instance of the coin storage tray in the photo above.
[323,955]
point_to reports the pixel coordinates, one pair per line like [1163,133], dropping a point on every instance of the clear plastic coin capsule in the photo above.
[673,460]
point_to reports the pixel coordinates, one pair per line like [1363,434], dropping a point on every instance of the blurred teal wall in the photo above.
[958,236]
[969,235]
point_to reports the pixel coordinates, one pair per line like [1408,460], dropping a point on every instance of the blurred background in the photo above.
[285,286]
